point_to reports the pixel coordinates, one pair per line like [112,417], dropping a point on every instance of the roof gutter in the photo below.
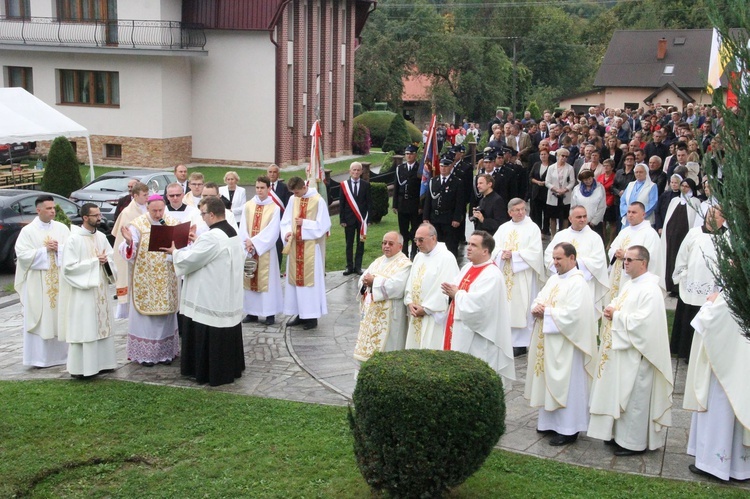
[275,21]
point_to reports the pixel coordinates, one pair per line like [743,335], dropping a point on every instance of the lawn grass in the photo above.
[116,439]
[336,243]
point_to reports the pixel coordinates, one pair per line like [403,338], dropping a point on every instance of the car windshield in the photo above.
[112,184]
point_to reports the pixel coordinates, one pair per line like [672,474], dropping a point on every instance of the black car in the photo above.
[18,209]
[14,152]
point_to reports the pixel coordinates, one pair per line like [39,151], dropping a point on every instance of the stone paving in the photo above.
[317,367]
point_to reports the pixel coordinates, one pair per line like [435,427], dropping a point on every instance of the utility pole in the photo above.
[515,77]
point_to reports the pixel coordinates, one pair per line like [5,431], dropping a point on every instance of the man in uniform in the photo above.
[426,304]
[381,293]
[355,205]
[259,231]
[406,199]
[303,228]
[87,261]
[152,326]
[444,206]
[475,291]
[631,398]
[518,253]
[505,176]
[39,250]
[590,254]
[563,349]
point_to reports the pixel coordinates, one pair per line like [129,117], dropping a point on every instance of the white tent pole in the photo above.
[91,159]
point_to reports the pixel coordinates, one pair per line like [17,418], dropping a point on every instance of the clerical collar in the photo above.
[44,225]
[579,231]
[225,227]
[519,223]
[181,208]
[641,225]
[434,249]
[262,202]
[488,262]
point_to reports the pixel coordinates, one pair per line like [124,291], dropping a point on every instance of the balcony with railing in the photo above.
[103,33]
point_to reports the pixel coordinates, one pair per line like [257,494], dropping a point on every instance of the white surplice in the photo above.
[523,273]
[189,214]
[591,257]
[481,325]
[86,320]
[206,300]
[631,398]
[130,213]
[716,389]
[562,354]
[309,302]
[271,302]
[694,267]
[37,284]
[383,323]
[428,272]
[634,235]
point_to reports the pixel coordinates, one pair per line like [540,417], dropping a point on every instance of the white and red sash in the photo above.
[466,282]
[276,199]
[353,205]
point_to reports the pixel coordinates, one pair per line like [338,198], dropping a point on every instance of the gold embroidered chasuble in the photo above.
[153,283]
[257,218]
[378,309]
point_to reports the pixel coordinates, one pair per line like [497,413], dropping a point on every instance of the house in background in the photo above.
[671,67]
[161,82]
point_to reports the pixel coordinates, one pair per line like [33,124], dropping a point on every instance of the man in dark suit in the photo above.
[406,199]
[279,192]
[444,206]
[463,168]
[657,147]
[354,209]
[125,200]
[492,211]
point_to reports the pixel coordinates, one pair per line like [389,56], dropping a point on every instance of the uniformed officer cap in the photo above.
[506,149]
[449,155]
[458,148]
[446,162]
[490,156]
[410,148]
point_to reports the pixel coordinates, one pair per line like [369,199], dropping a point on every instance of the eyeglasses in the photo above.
[630,260]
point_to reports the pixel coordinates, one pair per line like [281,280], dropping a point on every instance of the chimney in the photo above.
[661,49]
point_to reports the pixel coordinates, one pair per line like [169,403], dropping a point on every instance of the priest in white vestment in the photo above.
[39,250]
[519,255]
[716,389]
[590,254]
[478,318]
[695,273]
[135,209]
[631,398]
[382,325]
[154,297]
[86,318]
[259,231]
[639,232]
[427,306]
[304,228]
[563,350]
[211,299]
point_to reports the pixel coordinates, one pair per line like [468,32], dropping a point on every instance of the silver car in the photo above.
[107,190]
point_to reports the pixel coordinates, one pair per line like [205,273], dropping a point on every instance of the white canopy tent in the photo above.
[25,118]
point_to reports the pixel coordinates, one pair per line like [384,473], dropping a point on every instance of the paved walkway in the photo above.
[317,366]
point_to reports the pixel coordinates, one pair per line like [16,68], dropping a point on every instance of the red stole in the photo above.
[466,282]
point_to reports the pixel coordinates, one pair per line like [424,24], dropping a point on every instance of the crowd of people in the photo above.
[623,202]
[619,198]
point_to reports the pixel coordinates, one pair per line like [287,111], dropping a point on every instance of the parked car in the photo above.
[14,152]
[106,191]
[17,209]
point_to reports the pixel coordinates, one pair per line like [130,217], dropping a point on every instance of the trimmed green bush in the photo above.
[381,106]
[379,192]
[360,139]
[60,216]
[379,121]
[358,109]
[61,174]
[533,108]
[424,421]
[387,164]
[397,137]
